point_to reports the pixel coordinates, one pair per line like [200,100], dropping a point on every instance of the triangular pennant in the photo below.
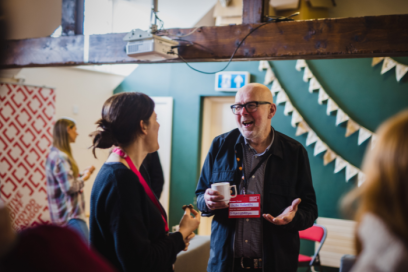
[351,127]
[363,135]
[276,87]
[314,85]
[263,64]
[401,71]
[361,178]
[331,106]
[269,76]
[319,147]
[339,164]
[373,141]
[301,63]
[329,156]
[311,138]
[307,75]
[341,117]
[376,61]
[288,108]
[388,64]
[296,118]
[282,98]
[302,128]
[351,171]
[322,96]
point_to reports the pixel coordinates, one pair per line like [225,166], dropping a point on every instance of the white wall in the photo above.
[87,90]
[356,8]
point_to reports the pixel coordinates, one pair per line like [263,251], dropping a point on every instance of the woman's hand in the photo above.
[187,240]
[88,172]
[188,223]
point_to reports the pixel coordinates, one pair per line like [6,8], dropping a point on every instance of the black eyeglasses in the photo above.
[251,106]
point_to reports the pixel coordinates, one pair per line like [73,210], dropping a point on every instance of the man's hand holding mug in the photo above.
[219,195]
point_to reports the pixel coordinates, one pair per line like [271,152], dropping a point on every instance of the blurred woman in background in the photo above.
[382,201]
[64,181]
[128,226]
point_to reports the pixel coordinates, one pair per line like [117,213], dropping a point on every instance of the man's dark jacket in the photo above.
[287,177]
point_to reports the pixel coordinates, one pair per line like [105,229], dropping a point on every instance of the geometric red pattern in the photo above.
[27,115]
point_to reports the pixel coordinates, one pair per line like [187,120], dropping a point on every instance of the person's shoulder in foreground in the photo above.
[52,248]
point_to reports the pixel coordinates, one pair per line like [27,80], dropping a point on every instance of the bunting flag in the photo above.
[302,127]
[388,64]
[341,116]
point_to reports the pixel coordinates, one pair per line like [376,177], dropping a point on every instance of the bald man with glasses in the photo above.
[266,166]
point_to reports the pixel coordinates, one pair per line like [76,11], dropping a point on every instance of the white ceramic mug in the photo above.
[224,188]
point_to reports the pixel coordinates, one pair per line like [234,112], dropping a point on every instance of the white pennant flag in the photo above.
[302,128]
[276,87]
[269,76]
[288,108]
[307,75]
[296,118]
[282,98]
[329,156]
[401,71]
[361,178]
[351,171]
[263,64]
[319,147]
[301,63]
[363,135]
[322,96]
[388,64]
[376,61]
[339,164]
[311,138]
[373,141]
[314,85]
[331,106]
[341,117]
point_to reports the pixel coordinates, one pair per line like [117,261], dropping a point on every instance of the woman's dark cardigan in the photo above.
[126,227]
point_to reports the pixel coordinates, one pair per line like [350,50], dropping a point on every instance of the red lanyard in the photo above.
[144,184]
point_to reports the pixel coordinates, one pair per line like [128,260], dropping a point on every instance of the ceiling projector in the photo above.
[143,45]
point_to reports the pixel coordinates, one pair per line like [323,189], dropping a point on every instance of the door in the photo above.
[164,111]
[217,119]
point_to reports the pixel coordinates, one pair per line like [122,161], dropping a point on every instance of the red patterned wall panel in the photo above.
[26,120]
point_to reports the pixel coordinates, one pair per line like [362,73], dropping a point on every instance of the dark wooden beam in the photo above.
[372,36]
[72,19]
[253,11]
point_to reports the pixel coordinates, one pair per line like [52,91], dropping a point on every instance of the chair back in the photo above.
[315,233]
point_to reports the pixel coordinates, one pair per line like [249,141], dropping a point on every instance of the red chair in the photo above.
[316,233]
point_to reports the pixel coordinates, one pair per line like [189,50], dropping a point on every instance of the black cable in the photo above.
[233,54]
[270,20]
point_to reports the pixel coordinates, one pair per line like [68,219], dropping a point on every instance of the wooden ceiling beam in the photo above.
[254,11]
[72,19]
[371,36]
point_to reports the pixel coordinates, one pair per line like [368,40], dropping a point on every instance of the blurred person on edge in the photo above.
[128,226]
[381,202]
[64,181]
[265,165]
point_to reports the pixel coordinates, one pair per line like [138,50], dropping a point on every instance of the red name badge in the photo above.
[245,206]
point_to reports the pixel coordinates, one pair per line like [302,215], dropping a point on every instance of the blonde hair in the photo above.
[385,192]
[61,141]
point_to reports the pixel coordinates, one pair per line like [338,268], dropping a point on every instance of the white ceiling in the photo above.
[39,18]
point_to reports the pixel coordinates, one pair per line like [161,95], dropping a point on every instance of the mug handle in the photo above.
[235,187]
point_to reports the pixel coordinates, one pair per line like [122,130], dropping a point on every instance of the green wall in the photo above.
[359,89]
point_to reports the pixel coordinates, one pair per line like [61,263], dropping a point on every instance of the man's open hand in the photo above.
[287,216]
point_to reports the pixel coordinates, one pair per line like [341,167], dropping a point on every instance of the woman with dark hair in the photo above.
[64,181]
[128,226]
[382,201]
